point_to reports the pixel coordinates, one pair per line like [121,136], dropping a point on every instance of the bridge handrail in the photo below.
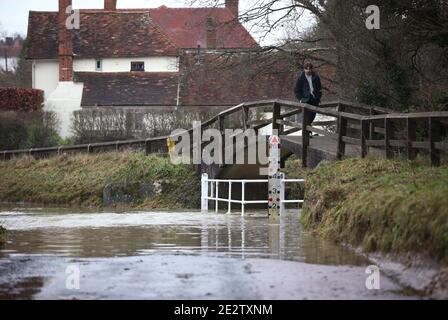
[414,115]
[364,123]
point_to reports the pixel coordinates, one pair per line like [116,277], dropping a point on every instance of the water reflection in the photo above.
[110,234]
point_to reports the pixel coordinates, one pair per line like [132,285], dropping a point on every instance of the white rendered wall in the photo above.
[46,76]
[65,99]
[152,64]
[46,72]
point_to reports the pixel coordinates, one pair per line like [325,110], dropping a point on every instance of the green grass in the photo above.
[79,180]
[382,205]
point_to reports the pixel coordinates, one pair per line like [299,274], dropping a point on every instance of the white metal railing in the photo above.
[213,195]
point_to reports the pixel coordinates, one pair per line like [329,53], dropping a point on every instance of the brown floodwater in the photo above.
[63,232]
[41,242]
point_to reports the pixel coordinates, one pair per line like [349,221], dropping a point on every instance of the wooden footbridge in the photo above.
[346,130]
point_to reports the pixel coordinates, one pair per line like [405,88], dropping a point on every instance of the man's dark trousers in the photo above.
[312,115]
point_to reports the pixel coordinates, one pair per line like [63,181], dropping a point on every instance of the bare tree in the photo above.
[401,65]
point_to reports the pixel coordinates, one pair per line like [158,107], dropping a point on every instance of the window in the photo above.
[137,66]
[98,65]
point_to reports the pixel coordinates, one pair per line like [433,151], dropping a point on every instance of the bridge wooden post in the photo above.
[305,137]
[434,136]
[147,147]
[342,124]
[221,129]
[191,152]
[411,136]
[245,114]
[364,136]
[339,108]
[387,137]
[245,110]
[276,115]
[372,125]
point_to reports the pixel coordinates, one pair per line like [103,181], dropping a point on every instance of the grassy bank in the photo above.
[381,205]
[79,180]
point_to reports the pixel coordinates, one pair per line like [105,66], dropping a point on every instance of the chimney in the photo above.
[65,43]
[211,33]
[110,5]
[233,6]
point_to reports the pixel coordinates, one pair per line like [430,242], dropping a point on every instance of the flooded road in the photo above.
[57,253]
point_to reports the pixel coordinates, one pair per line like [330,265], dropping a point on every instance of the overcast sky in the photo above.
[14,14]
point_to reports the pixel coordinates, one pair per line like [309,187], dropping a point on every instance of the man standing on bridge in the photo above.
[308,88]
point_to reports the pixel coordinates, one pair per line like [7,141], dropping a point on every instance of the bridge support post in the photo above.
[305,137]
[434,136]
[204,192]
[372,125]
[387,138]
[245,115]
[222,150]
[364,135]
[411,136]
[342,124]
[148,147]
[276,116]
[339,108]
[245,110]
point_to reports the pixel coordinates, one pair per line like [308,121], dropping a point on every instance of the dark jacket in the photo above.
[302,88]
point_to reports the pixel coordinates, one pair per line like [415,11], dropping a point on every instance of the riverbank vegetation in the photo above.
[86,180]
[382,205]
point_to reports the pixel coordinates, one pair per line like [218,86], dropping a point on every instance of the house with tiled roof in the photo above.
[140,58]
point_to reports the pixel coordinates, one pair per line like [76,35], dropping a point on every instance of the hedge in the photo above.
[21,99]
[24,130]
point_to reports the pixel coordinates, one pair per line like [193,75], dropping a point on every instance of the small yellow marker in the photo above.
[171,145]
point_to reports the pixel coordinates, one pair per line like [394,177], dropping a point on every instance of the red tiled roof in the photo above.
[101,34]
[137,32]
[42,35]
[187,27]
[128,89]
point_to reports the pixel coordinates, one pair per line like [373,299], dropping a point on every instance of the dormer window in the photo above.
[98,65]
[137,66]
